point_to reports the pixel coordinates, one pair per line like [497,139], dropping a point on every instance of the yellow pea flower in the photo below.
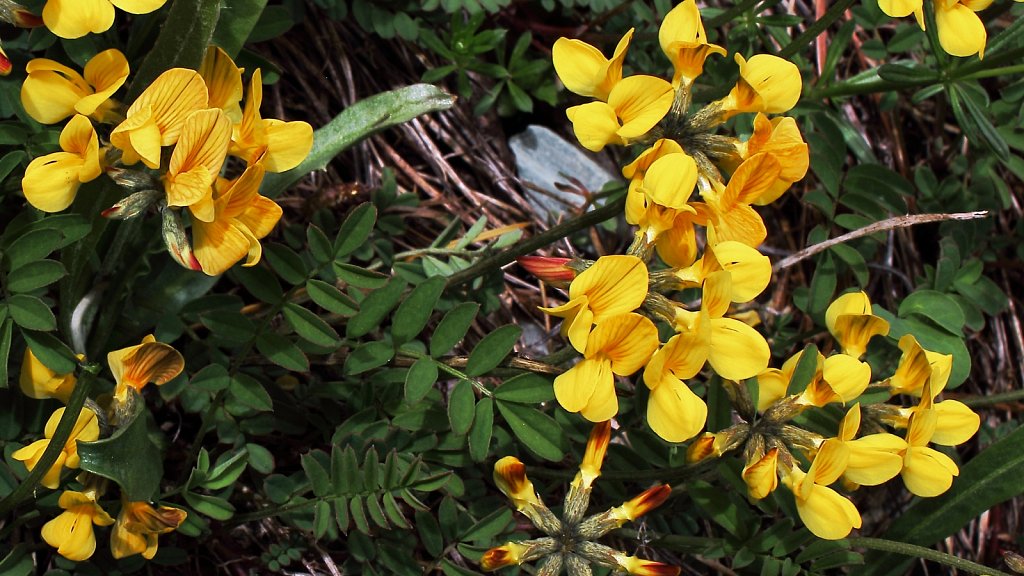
[735,350]
[39,382]
[276,145]
[674,412]
[779,137]
[71,533]
[919,367]
[612,286]
[636,170]
[926,471]
[684,41]
[749,270]
[584,70]
[961,32]
[708,445]
[618,345]
[76,18]
[955,422]
[842,378]
[223,82]
[53,91]
[761,475]
[510,478]
[767,84]
[851,322]
[824,511]
[196,160]
[729,205]
[149,361]
[635,105]
[138,526]
[86,428]
[872,459]
[241,217]
[640,567]
[51,182]
[156,118]
[666,188]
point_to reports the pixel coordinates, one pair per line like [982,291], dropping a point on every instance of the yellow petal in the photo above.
[71,533]
[627,340]
[150,361]
[827,514]
[574,387]
[51,182]
[39,382]
[584,70]
[677,246]
[899,8]
[76,18]
[641,102]
[223,82]
[288,144]
[614,285]
[171,98]
[750,180]
[737,351]
[260,217]
[961,31]
[874,459]
[684,41]
[106,72]
[670,180]
[761,476]
[772,386]
[749,270]
[198,156]
[767,84]
[829,463]
[847,376]
[927,472]
[674,412]
[595,125]
[603,404]
[955,423]
[138,6]
[51,91]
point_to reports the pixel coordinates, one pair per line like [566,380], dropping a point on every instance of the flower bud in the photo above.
[177,241]
[638,567]
[550,269]
[5,63]
[134,205]
[17,15]
[131,179]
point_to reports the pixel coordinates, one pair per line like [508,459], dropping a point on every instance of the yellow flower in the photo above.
[761,475]
[708,445]
[71,532]
[851,322]
[781,138]
[51,182]
[732,216]
[593,457]
[510,478]
[919,367]
[508,554]
[872,459]
[618,345]
[926,471]
[39,382]
[156,118]
[684,41]
[149,361]
[674,412]
[749,270]
[637,169]
[767,84]
[196,160]
[584,70]
[223,82]
[53,92]
[86,429]
[138,526]
[735,350]
[640,567]
[76,18]
[826,514]
[240,218]
[612,286]
[961,32]
[635,105]
[840,378]
[276,145]
[666,188]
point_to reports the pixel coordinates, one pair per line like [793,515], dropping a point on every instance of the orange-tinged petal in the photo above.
[197,157]
[627,341]
[170,99]
[510,478]
[750,180]
[150,361]
[614,285]
[767,84]
[76,18]
[223,82]
[684,41]
[288,144]
[762,476]
[641,102]
[597,447]
[644,502]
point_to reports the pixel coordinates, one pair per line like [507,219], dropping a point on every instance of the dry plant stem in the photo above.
[57,442]
[925,553]
[550,236]
[889,224]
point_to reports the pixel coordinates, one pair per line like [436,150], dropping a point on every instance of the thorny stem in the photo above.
[924,553]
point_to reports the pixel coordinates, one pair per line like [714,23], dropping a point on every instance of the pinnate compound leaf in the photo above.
[310,326]
[375,308]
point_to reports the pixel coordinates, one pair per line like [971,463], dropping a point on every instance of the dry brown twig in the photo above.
[882,226]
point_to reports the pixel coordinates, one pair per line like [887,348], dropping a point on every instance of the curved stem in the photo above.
[925,553]
[57,442]
[493,262]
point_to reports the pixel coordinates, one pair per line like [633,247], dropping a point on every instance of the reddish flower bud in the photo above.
[548,268]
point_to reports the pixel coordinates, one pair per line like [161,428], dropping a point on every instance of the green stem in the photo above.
[991,72]
[450,370]
[57,441]
[730,14]
[925,553]
[831,15]
[272,511]
[485,265]
[993,399]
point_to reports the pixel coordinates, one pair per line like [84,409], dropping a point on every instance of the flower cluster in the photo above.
[183,129]
[961,32]
[613,301]
[138,523]
[711,243]
[570,542]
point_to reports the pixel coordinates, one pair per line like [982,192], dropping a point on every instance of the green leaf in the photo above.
[355,230]
[237,20]
[227,469]
[823,286]
[358,276]
[452,328]
[420,379]
[357,122]
[461,405]
[210,506]
[330,298]
[369,355]
[489,527]
[53,353]
[250,391]
[32,246]
[906,74]
[992,477]
[35,275]
[975,122]
[318,477]
[375,308]
[212,379]
[936,307]
[526,388]
[6,333]
[394,512]
[260,459]
[482,430]
[492,349]
[538,432]
[319,245]
[285,262]
[321,519]
[805,370]
[430,533]
[184,36]
[228,324]
[128,457]
[282,352]
[31,313]
[414,312]
[260,282]
[310,326]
